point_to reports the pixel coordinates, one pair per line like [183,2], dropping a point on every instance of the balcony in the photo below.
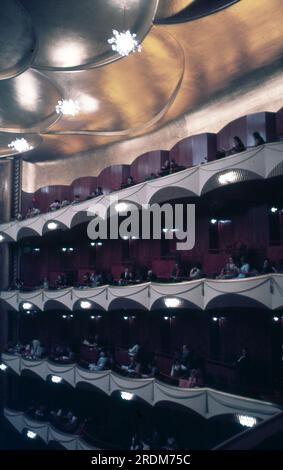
[263,292]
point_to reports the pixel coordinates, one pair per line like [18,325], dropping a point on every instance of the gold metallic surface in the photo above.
[233,67]
[167,8]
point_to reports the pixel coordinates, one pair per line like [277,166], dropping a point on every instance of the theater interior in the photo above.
[111,109]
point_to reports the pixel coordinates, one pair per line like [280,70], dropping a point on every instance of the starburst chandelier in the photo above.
[124,42]
[68,107]
[20,145]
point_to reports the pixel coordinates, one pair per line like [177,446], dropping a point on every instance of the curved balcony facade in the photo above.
[254,164]
[204,401]
[265,292]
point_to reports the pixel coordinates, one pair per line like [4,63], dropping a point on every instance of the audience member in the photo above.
[258,139]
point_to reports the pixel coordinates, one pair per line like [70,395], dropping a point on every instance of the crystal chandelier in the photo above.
[20,145]
[124,42]
[68,107]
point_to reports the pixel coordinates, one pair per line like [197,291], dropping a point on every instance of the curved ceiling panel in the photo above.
[126,96]
[179,11]
[34,140]
[167,8]
[27,103]
[75,34]
[17,39]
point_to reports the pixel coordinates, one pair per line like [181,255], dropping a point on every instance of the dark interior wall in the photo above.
[239,328]
[246,231]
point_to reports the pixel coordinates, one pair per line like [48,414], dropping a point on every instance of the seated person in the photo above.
[244,269]
[173,165]
[176,272]
[60,282]
[185,355]
[178,370]
[76,199]
[268,267]
[134,350]
[54,205]
[101,363]
[133,368]
[98,191]
[152,370]
[151,276]
[36,349]
[195,379]
[170,444]
[152,176]
[230,270]
[196,272]
[126,277]
[86,280]
[165,169]
[95,279]
[45,283]
[130,181]
[19,217]
[65,203]
[237,147]
[258,139]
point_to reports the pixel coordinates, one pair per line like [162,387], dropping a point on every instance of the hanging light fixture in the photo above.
[124,42]
[68,107]
[20,145]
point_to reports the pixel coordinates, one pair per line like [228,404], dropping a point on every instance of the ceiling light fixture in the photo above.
[124,42]
[227,178]
[27,306]
[85,304]
[68,107]
[20,145]
[172,303]
[52,226]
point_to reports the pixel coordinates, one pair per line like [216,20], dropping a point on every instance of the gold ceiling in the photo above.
[190,77]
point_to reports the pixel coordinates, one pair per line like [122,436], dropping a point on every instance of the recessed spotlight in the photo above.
[166,318]
[227,178]
[27,306]
[125,237]
[125,318]
[3,367]
[56,379]
[52,226]
[71,249]
[121,207]
[213,221]
[247,421]
[172,302]
[127,396]
[276,318]
[2,238]
[99,244]
[273,210]
[31,434]
[85,304]
[36,250]
[92,317]
[64,316]
[92,244]
[215,319]
[64,250]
